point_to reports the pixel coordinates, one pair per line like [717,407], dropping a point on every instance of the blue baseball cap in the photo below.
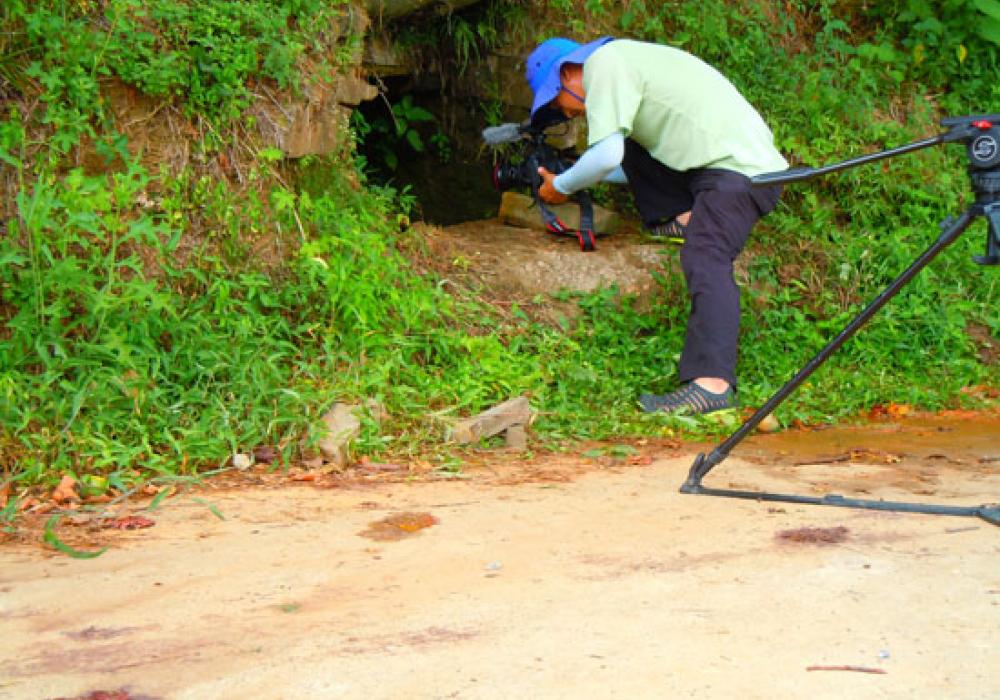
[542,70]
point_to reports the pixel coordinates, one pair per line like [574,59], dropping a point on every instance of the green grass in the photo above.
[126,354]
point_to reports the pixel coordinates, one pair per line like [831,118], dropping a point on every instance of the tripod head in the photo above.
[981,135]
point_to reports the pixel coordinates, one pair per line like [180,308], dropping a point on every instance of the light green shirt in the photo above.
[677,107]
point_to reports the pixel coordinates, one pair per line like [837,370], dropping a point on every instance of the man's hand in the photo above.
[547,191]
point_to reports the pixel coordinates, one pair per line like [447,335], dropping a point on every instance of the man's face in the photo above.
[570,100]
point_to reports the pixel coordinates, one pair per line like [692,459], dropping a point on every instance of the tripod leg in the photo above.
[992,257]
[951,230]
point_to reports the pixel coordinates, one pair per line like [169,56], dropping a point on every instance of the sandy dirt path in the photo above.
[605,584]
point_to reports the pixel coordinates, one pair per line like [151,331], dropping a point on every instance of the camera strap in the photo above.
[555,225]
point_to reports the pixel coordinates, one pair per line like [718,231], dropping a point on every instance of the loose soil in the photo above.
[508,265]
[549,576]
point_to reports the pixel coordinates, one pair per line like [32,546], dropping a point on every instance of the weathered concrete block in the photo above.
[343,425]
[389,9]
[316,123]
[492,422]
[311,131]
[517,209]
[516,437]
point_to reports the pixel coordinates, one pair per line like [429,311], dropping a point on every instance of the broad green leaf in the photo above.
[990,8]
[270,154]
[419,114]
[989,29]
[415,141]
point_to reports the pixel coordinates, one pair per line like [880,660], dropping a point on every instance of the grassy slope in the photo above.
[118,363]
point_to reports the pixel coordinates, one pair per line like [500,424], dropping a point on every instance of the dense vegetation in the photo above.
[143,336]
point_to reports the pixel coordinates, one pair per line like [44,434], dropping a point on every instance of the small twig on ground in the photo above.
[856,669]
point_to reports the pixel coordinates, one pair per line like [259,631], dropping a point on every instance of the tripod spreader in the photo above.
[981,134]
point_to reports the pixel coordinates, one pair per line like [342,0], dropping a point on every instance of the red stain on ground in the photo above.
[814,535]
[91,633]
[399,526]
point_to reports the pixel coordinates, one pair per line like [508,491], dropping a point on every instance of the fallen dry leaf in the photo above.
[67,491]
[128,522]
[864,454]
[892,410]
[100,498]
[27,503]
[640,460]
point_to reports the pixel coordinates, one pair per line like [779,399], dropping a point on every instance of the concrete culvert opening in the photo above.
[422,135]
[427,144]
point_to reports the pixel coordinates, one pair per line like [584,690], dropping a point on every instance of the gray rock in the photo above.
[492,422]
[343,426]
[520,210]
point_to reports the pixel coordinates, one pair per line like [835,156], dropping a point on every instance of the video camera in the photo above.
[521,171]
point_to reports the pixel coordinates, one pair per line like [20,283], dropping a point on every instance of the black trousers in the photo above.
[724,208]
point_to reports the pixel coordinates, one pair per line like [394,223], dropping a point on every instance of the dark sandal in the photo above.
[690,398]
[672,231]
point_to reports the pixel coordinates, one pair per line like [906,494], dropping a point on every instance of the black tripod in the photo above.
[981,135]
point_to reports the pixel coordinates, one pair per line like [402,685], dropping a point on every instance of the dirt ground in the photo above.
[562,575]
[508,265]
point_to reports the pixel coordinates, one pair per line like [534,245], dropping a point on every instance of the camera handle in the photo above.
[981,134]
[555,225]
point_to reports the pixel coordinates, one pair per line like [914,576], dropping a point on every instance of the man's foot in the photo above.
[672,231]
[690,398]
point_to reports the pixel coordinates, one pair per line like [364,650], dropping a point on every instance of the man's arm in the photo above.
[600,162]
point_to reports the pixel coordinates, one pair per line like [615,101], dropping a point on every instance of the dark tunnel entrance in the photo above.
[426,144]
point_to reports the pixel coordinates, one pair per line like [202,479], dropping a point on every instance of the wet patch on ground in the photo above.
[960,438]
[914,454]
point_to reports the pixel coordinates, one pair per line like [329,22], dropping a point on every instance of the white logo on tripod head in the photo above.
[985,148]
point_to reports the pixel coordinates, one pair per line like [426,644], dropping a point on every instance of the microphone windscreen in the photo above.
[505,133]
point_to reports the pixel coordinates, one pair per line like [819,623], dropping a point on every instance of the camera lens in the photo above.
[507,176]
